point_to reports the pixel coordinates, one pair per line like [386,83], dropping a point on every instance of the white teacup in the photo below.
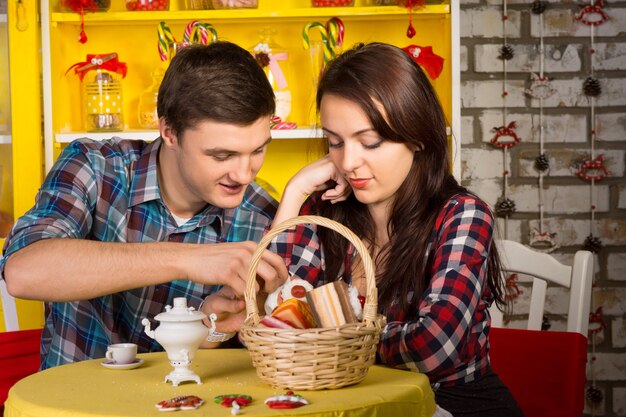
[122,353]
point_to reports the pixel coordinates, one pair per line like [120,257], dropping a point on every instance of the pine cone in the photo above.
[594,395]
[542,163]
[506,52]
[538,6]
[592,244]
[505,207]
[592,87]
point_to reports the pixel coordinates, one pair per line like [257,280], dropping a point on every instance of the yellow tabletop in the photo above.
[87,389]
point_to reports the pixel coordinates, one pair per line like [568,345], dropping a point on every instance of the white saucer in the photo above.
[121,366]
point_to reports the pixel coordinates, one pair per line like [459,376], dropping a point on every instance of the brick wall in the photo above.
[566,140]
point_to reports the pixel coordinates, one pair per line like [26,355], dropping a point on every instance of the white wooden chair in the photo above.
[544,268]
[9,310]
[545,370]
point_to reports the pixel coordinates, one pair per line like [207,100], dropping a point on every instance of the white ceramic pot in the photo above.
[180,332]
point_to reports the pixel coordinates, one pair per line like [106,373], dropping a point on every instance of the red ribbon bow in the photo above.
[426,58]
[109,62]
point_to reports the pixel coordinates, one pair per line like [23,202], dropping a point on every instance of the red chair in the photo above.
[19,349]
[545,370]
[19,357]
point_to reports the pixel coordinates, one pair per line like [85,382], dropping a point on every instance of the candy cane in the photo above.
[188,29]
[329,53]
[165,40]
[335,28]
[196,31]
[207,27]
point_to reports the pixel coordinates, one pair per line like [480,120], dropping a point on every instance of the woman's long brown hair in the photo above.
[381,73]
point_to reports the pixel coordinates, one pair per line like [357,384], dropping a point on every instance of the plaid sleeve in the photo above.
[63,204]
[300,247]
[446,332]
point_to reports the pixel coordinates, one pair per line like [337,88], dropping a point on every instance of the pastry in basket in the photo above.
[294,287]
[331,304]
[295,313]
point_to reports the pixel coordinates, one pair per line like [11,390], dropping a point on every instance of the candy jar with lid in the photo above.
[180,332]
[103,102]
[102,97]
[147,5]
[148,116]
[82,6]
[275,62]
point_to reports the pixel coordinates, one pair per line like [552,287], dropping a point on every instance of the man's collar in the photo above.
[144,183]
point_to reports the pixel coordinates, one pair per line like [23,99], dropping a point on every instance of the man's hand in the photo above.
[228,263]
[230,311]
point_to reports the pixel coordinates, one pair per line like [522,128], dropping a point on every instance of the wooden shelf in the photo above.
[153,134]
[288,14]
[300,133]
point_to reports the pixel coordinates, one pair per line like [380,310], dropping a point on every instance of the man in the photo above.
[122,227]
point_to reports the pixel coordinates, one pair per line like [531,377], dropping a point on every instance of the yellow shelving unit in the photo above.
[133,35]
[26,141]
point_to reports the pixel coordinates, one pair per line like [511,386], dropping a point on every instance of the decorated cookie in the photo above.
[184,402]
[227,400]
[286,401]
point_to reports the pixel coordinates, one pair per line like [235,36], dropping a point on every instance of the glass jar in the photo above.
[147,5]
[275,62]
[235,4]
[74,6]
[332,3]
[102,101]
[199,4]
[148,115]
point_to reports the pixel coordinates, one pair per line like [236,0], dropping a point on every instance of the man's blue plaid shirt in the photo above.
[108,191]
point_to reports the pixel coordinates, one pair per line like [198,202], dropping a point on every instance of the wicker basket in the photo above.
[313,359]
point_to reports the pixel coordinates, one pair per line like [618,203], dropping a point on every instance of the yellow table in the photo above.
[86,389]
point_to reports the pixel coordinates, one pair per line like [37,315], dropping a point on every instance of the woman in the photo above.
[387,177]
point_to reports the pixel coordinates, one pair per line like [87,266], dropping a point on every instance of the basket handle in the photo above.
[370,310]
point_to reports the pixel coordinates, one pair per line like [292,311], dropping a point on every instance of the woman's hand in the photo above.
[317,176]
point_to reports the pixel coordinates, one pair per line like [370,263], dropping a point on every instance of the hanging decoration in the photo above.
[511,288]
[426,58]
[505,136]
[82,6]
[592,14]
[596,326]
[540,89]
[592,169]
[410,4]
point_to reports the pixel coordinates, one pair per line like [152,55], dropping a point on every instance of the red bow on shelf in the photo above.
[109,62]
[426,58]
